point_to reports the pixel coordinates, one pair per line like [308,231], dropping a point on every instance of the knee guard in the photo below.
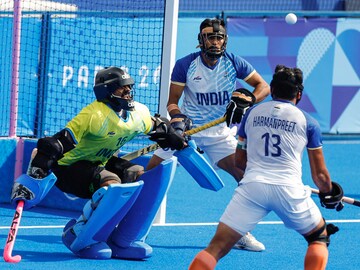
[127,240]
[317,236]
[126,170]
[91,205]
[102,213]
[31,190]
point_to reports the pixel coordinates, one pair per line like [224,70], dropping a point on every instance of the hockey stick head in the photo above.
[12,259]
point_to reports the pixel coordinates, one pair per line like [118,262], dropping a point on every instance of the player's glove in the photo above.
[165,135]
[241,100]
[181,123]
[49,151]
[333,199]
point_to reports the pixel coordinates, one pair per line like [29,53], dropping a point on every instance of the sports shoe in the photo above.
[248,242]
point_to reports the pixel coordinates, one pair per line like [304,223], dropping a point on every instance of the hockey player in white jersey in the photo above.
[207,82]
[272,138]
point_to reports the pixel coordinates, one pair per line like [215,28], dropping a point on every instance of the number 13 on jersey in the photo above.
[272,144]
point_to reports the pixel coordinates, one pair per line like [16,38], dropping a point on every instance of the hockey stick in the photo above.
[347,200]
[12,235]
[155,146]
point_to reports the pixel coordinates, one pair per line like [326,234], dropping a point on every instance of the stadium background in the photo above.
[63,44]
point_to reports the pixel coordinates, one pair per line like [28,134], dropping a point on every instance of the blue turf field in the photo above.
[192,214]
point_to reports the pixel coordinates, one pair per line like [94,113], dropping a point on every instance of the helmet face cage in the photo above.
[118,103]
[219,32]
[107,81]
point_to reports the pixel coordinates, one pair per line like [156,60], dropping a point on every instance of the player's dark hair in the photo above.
[286,82]
[211,22]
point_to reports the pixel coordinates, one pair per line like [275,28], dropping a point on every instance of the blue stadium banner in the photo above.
[327,50]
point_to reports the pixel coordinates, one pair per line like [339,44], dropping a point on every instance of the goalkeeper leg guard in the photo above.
[86,237]
[316,256]
[203,261]
[127,241]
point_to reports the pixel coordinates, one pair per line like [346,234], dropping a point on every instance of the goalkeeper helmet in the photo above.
[218,32]
[287,83]
[107,81]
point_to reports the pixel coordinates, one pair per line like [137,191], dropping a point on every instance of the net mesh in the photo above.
[64,44]
[269,5]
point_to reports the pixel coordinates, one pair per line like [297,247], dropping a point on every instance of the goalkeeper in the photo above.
[272,138]
[83,157]
[207,81]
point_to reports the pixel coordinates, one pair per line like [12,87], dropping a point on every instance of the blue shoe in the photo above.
[99,250]
[137,250]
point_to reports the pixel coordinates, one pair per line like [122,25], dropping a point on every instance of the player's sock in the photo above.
[203,261]
[316,257]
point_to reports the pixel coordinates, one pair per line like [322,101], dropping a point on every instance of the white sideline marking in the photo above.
[35,227]
[186,224]
[261,223]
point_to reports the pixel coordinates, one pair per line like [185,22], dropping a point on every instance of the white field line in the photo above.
[261,223]
[185,224]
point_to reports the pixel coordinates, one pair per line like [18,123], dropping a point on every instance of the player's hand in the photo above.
[332,199]
[181,123]
[166,136]
[41,165]
[241,100]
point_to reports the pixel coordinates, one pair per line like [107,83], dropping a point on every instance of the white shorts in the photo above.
[251,202]
[217,143]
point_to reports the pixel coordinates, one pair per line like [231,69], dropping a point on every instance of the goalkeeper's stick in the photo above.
[347,200]
[155,146]
[12,235]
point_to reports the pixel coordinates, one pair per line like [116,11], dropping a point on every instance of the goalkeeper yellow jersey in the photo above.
[99,132]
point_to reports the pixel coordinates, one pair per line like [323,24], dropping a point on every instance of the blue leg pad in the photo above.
[99,250]
[199,168]
[137,250]
[134,227]
[113,206]
[68,235]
